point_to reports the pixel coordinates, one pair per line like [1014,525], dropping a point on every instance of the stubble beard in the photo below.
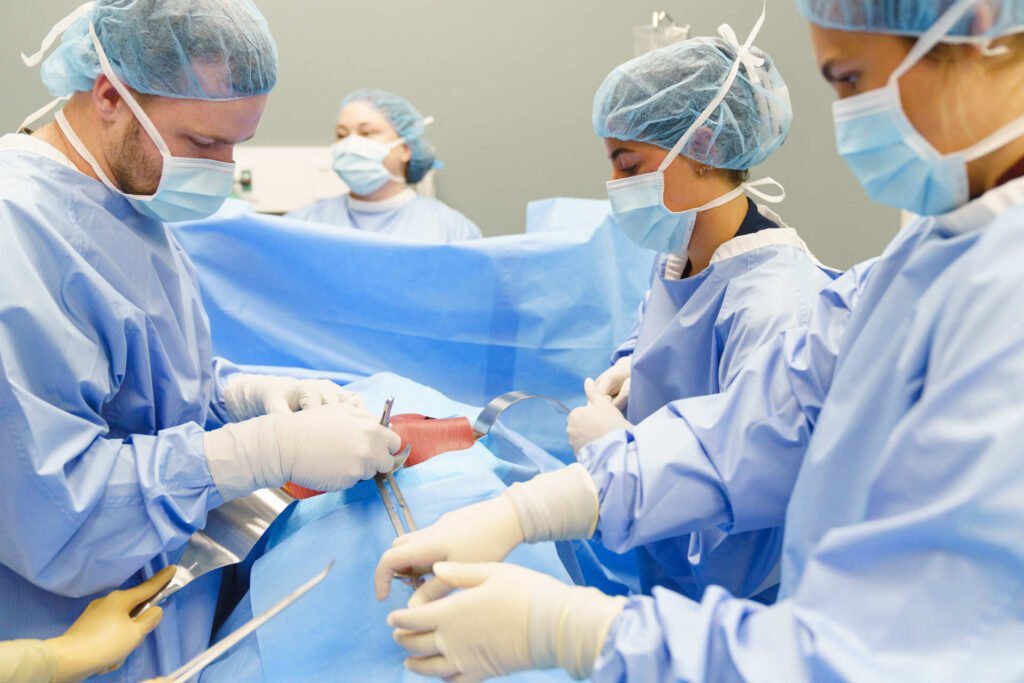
[133,171]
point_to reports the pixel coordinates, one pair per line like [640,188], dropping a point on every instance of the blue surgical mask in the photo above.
[640,212]
[896,165]
[189,189]
[359,161]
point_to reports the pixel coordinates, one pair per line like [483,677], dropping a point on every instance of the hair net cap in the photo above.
[407,122]
[656,97]
[988,19]
[197,49]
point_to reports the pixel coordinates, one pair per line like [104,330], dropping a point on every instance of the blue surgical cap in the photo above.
[657,96]
[987,19]
[406,121]
[197,49]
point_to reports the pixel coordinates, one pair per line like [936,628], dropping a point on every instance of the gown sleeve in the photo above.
[84,507]
[727,459]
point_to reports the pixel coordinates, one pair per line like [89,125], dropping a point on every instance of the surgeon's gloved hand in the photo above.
[555,506]
[614,382]
[103,637]
[328,448]
[506,619]
[249,395]
[594,420]
[482,532]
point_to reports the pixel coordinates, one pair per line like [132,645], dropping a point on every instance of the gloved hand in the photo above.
[553,506]
[614,382]
[594,420]
[250,395]
[507,619]
[327,449]
[482,532]
[103,637]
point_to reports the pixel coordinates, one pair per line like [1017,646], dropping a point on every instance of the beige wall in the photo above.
[511,85]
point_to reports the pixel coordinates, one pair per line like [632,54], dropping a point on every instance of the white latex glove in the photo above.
[554,506]
[506,619]
[594,420]
[250,395]
[103,637]
[482,532]
[327,449]
[614,382]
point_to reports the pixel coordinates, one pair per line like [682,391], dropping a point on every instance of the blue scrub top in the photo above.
[406,215]
[106,385]
[692,338]
[885,435]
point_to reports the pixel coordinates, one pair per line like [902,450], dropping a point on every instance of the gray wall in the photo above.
[511,86]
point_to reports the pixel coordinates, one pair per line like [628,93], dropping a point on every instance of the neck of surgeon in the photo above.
[715,227]
[89,129]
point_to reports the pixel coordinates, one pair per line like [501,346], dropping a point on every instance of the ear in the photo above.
[697,170]
[106,99]
[983,19]
[701,143]
[406,154]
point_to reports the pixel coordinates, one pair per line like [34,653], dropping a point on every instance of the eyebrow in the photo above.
[619,151]
[826,71]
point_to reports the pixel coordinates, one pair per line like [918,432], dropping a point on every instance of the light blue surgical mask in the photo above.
[639,202]
[359,161]
[897,165]
[190,189]
[640,212]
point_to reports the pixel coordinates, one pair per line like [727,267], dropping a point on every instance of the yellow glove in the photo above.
[103,637]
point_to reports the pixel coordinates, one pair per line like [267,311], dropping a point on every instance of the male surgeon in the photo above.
[118,430]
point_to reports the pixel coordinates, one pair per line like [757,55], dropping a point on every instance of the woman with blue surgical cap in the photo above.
[119,429]
[379,153]
[682,126]
[885,434]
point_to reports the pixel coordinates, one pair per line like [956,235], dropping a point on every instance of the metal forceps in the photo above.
[413,578]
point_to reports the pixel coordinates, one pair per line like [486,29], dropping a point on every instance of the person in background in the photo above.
[681,130]
[885,435]
[98,642]
[119,429]
[379,154]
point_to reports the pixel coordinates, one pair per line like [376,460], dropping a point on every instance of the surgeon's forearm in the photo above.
[648,494]
[223,371]
[556,506]
[124,502]
[668,637]
[27,661]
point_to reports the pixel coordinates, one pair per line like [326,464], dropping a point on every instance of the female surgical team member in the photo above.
[379,154]
[682,127]
[885,434]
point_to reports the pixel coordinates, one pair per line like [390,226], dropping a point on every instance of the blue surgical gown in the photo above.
[886,436]
[692,337]
[106,384]
[418,218]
